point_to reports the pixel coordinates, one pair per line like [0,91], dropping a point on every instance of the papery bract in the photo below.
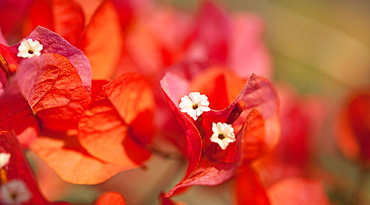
[17,168]
[64,17]
[12,14]
[102,41]
[249,188]
[64,154]
[216,166]
[17,115]
[53,89]
[122,107]
[110,198]
[53,43]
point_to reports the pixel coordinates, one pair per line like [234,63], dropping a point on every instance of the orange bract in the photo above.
[102,41]
[72,163]
[112,198]
[111,129]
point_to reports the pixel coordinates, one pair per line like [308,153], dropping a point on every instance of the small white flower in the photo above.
[29,48]
[194,104]
[223,134]
[4,159]
[14,191]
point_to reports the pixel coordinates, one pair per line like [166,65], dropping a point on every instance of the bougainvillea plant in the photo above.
[100,88]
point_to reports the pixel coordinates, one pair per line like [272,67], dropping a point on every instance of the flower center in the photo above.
[195,106]
[221,136]
[13,196]
[30,51]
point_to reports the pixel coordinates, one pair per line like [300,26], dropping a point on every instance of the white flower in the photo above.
[4,159]
[223,134]
[194,104]
[14,191]
[29,48]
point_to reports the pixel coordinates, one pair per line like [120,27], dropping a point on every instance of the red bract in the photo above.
[120,110]
[12,14]
[53,43]
[112,198]
[256,133]
[301,117]
[64,17]
[249,188]
[68,20]
[353,126]
[17,168]
[103,54]
[110,138]
[53,88]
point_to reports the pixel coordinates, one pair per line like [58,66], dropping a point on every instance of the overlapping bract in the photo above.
[48,102]
[208,164]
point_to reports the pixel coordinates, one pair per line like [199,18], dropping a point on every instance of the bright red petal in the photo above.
[112,198]
[102,41]
[193,146]
[16,114]
[54,90]
[254,141]
[249,188]
[12,13]
[259,93]
[65,17]
[220,86]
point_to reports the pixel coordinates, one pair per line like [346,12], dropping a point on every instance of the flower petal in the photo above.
[208,173]
[53,89]
[71,161]
[16,114]
[124,105]
[193,140]
[249,188]
[18,168]
[110,198]
[102,41]
[65,17]
[53,43]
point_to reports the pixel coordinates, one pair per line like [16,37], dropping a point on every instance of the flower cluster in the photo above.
[98,89]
